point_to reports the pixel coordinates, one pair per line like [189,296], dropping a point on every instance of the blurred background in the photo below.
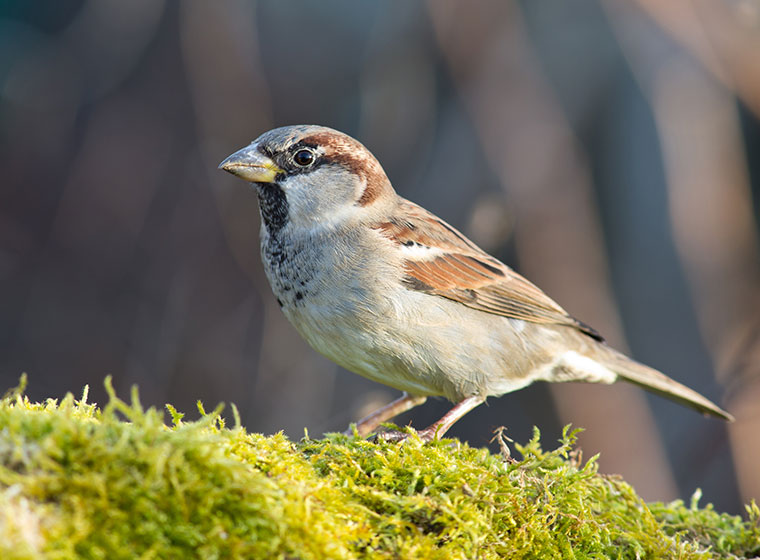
[609,150]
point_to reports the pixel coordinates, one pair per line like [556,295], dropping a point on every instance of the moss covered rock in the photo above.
[77,481]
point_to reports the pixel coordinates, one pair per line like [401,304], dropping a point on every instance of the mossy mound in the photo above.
[80,482]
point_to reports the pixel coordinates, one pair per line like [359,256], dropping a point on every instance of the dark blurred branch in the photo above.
[532,150]
[710,204]
[724,36]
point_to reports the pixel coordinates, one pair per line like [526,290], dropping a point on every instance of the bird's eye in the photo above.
[304,157]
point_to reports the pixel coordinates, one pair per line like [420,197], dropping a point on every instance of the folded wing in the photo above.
[441,261]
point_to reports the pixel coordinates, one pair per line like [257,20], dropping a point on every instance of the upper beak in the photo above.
[251,165]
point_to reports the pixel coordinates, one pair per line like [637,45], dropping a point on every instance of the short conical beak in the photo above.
[251,165]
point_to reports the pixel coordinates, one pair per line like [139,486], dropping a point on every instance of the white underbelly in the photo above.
[422,344]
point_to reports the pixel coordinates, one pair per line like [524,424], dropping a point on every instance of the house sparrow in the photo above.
[390,291]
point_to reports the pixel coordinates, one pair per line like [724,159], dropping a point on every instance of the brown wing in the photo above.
[457,269]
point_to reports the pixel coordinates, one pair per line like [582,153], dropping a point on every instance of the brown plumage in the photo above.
[465,273]
[392,292]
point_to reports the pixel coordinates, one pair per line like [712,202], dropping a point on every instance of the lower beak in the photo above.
[251,165]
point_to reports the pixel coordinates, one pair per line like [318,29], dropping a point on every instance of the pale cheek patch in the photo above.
[321,199]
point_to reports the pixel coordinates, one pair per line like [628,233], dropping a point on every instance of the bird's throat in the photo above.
[274,206]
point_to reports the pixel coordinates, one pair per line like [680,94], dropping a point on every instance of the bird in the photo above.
[390,291]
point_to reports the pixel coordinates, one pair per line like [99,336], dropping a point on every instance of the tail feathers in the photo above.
[656,382]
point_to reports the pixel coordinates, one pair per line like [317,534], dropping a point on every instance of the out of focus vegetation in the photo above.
[79,481]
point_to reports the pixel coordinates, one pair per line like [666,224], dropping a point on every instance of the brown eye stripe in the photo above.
[352,155]
[375,187]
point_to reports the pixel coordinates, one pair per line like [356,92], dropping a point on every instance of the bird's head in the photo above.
[311,177]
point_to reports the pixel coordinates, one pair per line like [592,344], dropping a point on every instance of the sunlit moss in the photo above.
[79,481]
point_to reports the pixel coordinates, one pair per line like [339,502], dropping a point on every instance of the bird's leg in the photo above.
[437,429]
[368,424]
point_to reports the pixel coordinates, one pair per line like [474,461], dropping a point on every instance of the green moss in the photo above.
[78,481]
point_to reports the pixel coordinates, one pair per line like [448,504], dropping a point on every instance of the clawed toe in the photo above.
[391,436]
[394,436]
[432,432]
